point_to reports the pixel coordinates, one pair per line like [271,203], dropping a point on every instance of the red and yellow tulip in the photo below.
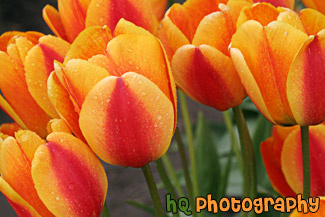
[73,16]
[119,91]
[34,176]
[196,36]
[279,58]
[315,4]
[26,60]
[282,157]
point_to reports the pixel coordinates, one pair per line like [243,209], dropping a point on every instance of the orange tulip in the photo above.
[196,36]
[34,176]
[279,58]
[282,157]
[315,4]
[119,91]
[76,15]
[26,60]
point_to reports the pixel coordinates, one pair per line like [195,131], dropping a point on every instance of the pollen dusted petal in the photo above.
[81,76]
[132,120]
[15,91]
[63,104]
[142,54]
[90,42]
[39,65]
[109,12]
[15,168]
[208,76]
[313,21]
[81,192]
[21,207]
[268,52]
[52,18]
[291,160]
[305,82]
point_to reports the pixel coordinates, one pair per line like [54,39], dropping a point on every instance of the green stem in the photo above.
[234,143]
[173,176]
[159,212]
[181,150]
[305,160]
[105,211]
[249,166]
[165,179]
[189,133]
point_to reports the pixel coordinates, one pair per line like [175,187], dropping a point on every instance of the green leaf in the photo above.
[209,172]
[143,207]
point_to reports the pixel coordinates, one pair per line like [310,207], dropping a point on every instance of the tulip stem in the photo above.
[165,179]
[249,166]
[181,150]
[234,143]
[305,160]
[159,212]
[189,133]
[105,211]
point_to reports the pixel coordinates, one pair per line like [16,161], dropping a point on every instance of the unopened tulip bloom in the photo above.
[196,36]
[315,4]
[279,58]
[123,97]
[73,16]
[34,176]
[282,157]
[26,60]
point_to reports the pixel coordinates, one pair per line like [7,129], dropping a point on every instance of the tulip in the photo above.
[282,157]
[196,36]
[34,176]
[279,58]
[315,4]
[26,60]
[123,98]
[74,16]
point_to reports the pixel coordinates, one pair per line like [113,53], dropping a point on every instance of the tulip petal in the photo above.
[109,12]
[39,65]
[9,110]
[89,42]
[305,82]
[21,207]
[317,5]
[9,129]
[270,149]
[141,54]
[16,157]
[80,77]
[275,47]
[52,18]
[83,191]
[292,18]
[208,76]
[291,160]
[313,20]
[63,104]
[57,125]
[132,120]
[126,27]
[280,3]
[14,89]
[7,36]
[159,7]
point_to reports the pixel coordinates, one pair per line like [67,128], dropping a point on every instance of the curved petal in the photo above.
[315,4]
[80,77]
[132,120]
[89,42]
[292,18]
[7,36]
[9,129]
[109,12]
[16,157]
[63,104]
[268,52]
[125,27]
[280,3]
[14,89]
[80,193]
[306,80]
[291,160]
[159,7]
[208,76]
[313,20]
[21,207]
[52,18]
[39,65]
[57,125]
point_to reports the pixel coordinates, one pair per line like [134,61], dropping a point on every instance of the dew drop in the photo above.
[159,117]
